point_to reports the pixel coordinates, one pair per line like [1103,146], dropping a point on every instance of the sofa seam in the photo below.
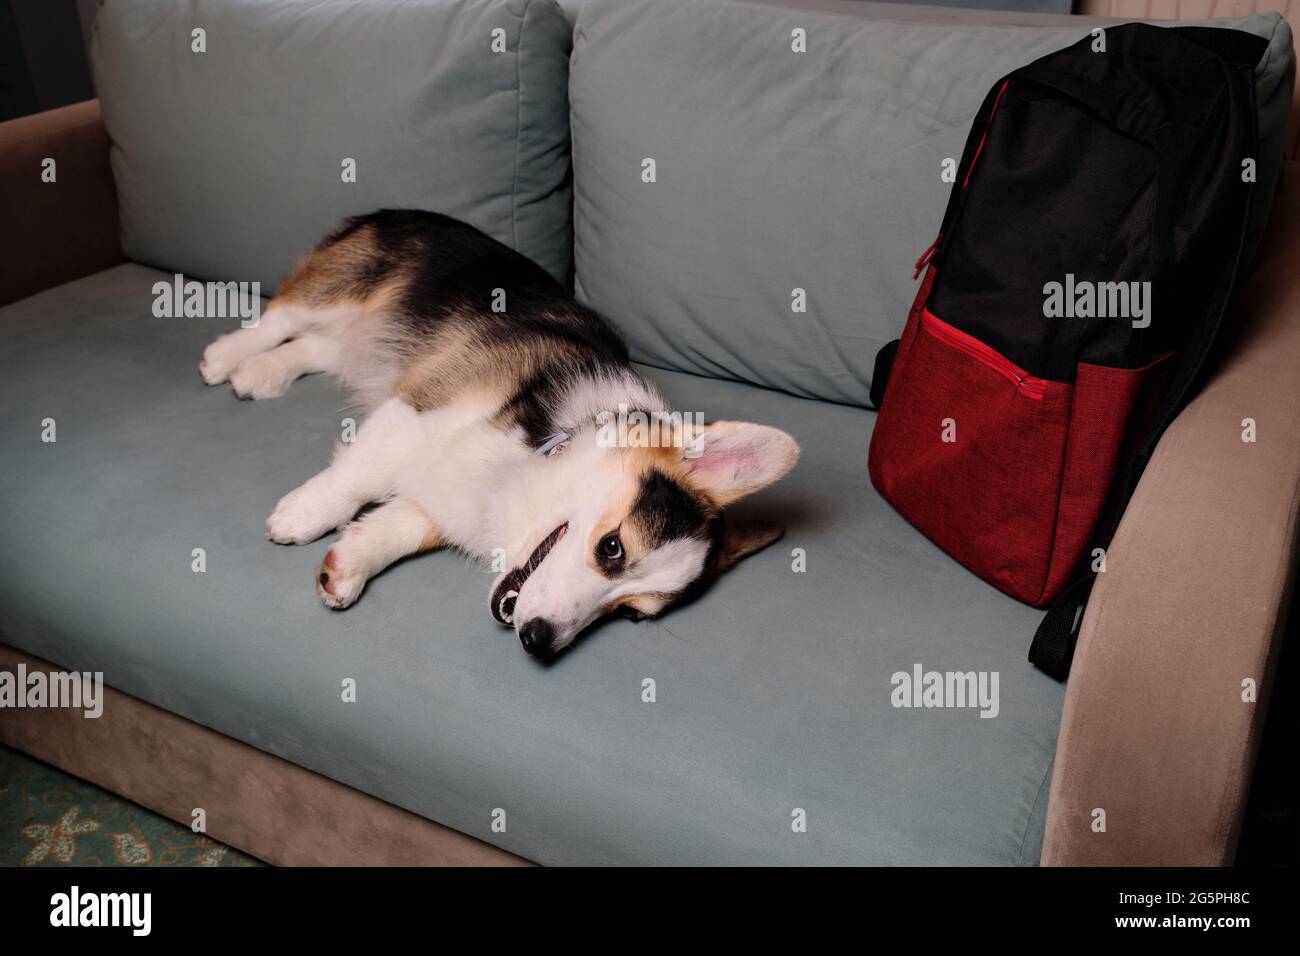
[1038,797]
[58,133]
[578,35]
[519,122]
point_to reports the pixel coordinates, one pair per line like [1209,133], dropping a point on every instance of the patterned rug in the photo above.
[49,818]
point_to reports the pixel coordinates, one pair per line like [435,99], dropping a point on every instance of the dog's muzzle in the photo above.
[507,592]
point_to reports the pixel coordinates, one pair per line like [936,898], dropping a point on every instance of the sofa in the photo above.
[755,725]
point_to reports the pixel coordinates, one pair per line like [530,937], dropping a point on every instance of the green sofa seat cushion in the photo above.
[774,691]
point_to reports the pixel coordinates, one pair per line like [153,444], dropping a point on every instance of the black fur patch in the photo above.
[530,406]
[664,511]
[454,268]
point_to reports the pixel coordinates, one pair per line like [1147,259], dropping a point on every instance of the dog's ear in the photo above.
[739,539]
[728,460]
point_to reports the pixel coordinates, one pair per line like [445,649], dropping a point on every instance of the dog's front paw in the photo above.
[301,516]
[339,580]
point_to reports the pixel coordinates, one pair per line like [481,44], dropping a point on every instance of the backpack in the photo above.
[1078,286]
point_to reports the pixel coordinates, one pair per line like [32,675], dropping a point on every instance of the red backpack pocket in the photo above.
[1007,472]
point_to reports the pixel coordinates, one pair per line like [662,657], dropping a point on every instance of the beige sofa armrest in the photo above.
[62,230]
[1155,731]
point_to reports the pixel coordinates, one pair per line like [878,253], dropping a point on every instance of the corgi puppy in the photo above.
[500,422]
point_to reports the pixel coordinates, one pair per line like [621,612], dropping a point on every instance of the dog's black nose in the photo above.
[537,636]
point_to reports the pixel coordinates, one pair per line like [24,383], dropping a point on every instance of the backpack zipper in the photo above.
[1026,384]
[933,249]
[984,135]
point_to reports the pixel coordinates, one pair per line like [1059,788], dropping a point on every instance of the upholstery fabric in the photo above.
[251,800]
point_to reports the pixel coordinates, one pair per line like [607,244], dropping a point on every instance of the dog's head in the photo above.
[629,527]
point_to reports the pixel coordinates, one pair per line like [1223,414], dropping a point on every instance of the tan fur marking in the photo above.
[335,272]
[432,539]
[449,365]
[615,519]
[647,604]
[456,363]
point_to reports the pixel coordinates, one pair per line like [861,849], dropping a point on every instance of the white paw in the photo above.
[220,359]
[302,515]
[341,577]
[259,377]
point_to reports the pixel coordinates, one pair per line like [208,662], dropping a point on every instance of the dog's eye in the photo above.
[610,548]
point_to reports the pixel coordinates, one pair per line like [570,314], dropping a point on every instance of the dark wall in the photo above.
[43,55]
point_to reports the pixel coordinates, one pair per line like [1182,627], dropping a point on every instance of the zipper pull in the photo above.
[926,256]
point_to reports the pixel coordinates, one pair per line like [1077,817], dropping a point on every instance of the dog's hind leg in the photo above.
[392,531]
[269,374]
[281,321]
[340,280]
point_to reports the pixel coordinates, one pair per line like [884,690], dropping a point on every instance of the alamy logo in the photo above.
[191,299]
[79,691]
[1098,300]
[74,908]
[922,688]
[637,429]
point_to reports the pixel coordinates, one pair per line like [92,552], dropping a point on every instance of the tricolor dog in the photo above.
[491,394]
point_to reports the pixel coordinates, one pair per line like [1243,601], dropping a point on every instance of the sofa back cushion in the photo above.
[230,162]
[797,174]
